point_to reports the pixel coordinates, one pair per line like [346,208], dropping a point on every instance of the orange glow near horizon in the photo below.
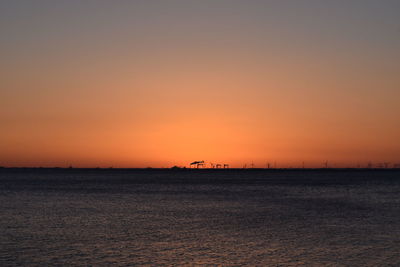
[229,90]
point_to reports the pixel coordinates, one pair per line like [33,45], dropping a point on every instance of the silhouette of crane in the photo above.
[197,164]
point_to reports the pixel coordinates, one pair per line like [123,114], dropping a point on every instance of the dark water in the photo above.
[155,217]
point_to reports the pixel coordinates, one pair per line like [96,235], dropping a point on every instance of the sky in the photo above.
[163,83]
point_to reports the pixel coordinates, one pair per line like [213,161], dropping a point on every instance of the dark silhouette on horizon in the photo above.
[198,164]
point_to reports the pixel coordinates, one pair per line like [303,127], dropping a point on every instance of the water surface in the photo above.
[227,217]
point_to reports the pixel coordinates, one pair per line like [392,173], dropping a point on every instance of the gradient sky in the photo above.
[163,83]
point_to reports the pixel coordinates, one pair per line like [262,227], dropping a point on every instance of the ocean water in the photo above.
[51,217]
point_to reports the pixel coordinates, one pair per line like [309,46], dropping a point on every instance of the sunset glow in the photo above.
[138,84]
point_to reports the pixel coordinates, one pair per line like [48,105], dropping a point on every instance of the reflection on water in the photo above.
[80,217]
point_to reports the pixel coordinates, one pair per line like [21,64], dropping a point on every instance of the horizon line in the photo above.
[201,169]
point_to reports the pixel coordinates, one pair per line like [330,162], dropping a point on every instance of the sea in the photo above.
[183,217]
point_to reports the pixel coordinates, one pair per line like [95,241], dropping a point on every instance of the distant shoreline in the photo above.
[195,169]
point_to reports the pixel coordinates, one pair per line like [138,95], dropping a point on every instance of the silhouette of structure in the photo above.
[326,164]
[226,166]
[386,164]
[197,164]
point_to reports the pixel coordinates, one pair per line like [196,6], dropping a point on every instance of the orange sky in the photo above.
[114,89]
